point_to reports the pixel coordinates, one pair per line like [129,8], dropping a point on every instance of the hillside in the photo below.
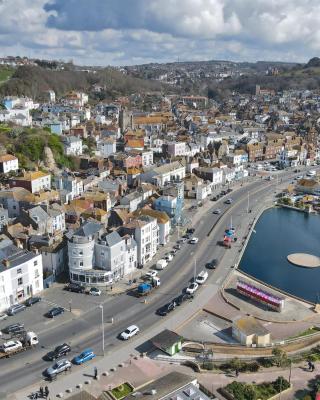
[33,81]
[29,145]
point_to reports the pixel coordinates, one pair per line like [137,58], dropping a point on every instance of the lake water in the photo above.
[280,232]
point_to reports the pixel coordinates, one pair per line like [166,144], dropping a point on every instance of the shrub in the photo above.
[208,365]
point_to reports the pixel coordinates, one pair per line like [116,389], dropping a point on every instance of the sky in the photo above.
[128,32]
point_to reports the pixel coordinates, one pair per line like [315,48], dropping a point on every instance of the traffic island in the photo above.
[304,260]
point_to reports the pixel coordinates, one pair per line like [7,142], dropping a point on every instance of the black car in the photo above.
[54,312]
[32,300]
[215,198]
[74,287]
[59,351]
[180,299]
[190,230]
[13,328]
[212,264]
[164,310]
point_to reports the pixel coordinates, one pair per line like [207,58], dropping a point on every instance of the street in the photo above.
[84,330]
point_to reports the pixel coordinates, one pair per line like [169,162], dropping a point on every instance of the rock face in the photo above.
[49,159]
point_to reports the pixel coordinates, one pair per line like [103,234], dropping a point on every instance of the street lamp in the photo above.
[102,326]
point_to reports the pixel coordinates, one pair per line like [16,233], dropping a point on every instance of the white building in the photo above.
[160,176]
[145,230]
[72,145]
[8,163]
[116,254]
[71,184]
[20,274]
[34,181]
[106,147]
[175,149]
[147,158]
[97,258]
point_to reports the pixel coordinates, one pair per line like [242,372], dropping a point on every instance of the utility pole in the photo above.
[248,205]
[195,269]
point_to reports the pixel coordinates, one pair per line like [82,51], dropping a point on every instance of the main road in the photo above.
[27,368]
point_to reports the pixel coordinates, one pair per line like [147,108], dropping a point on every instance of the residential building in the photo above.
[106,147]
[147,158]
[33,181]
[145,231]
[166,173]
[167,204]
[72,145]
[176,149]
[73,185]
[163,221]
[20,274]
[8,163]
[212,174]
[132,201]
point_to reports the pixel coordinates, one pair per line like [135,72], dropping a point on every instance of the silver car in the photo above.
[58,367]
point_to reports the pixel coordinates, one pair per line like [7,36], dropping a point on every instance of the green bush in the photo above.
[208,365]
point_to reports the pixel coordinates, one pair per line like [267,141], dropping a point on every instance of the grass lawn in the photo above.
[307,332]
[5,73]
[122,391]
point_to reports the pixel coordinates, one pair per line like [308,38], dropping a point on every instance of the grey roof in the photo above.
[11,253]
[113,238]
[165,339]
[38,214]
[88,229]
[166,386]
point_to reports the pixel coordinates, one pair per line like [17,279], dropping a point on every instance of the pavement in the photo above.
[85,331]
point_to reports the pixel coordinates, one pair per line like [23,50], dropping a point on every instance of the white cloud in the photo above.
[124,31]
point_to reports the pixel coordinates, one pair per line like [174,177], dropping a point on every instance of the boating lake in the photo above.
[280,232]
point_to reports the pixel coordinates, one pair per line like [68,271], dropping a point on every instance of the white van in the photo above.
[202,277]
[312,172]
[161,264]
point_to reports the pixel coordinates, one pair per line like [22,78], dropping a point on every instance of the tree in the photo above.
[236,364]
[279,356]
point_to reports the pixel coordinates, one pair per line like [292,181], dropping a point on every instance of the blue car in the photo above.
[86,355]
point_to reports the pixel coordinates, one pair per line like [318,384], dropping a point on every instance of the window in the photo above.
[80,252]
[37,284]
[36,274]
[14,207]
[20,281]
[19,271]
[35,262]
[81,263]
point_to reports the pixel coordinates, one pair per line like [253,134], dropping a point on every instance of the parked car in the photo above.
[85,356]
[212,264]
[190,230]
[59,351]
[181,298]
[177,246]
[151,274]
[74,287]
[54,312]
[166,309]
[228,201]
[32,300]
[202,277]
[168,257]
[58,367]
[3,316]
[183,240]
[16,308]
[194,240]
[12,345]
[129,332]
[173,252]
[13,328]
[192,288]
[217,211]
[214,198]
[95,291]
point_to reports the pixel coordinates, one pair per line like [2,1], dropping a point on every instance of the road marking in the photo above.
[219,280]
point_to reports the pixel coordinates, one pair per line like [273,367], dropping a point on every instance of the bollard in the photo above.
[69,390]
[105,373]
[87,382]
[79,386]
[60,395]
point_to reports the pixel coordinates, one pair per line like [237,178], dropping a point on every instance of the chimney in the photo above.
[6,263]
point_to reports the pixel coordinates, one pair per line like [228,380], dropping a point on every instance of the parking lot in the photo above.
[34,317]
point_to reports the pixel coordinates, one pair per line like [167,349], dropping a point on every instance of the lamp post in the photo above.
[102,326]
